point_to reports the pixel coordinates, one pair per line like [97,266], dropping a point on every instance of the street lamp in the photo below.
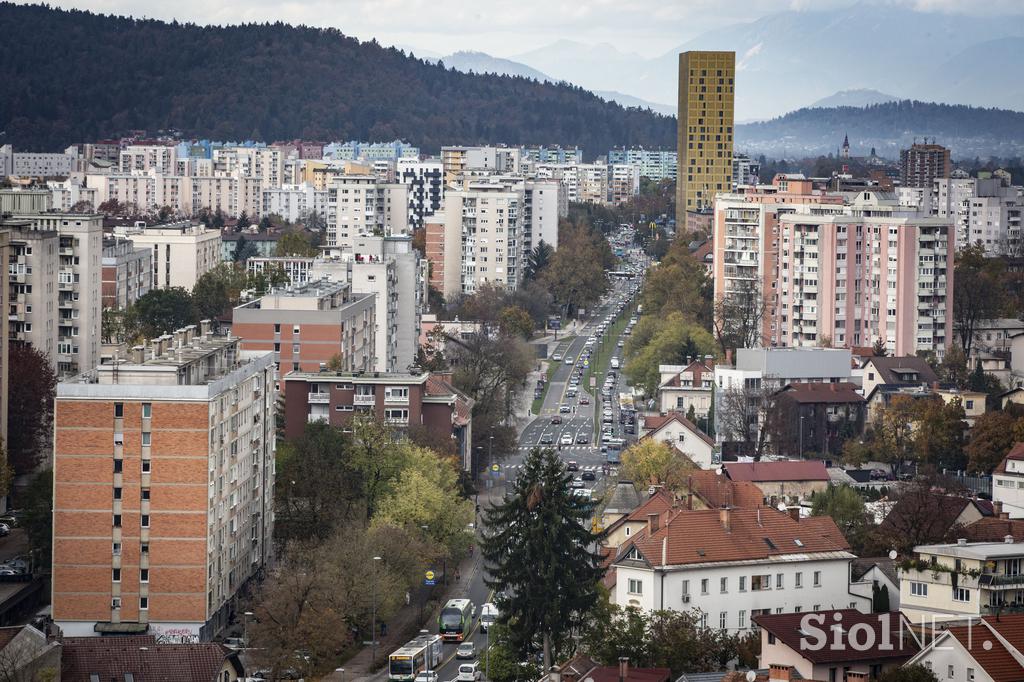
[373,619]
[801,453]
[490,457]
[245,627]
[342,671]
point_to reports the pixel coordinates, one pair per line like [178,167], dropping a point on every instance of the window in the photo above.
[147,410]
[817,578]
[143,603]
[743,583]
[117,548]
[145,493]
[778,581]
[703,620]
[115,603]
[145,520]
[118,410]
[961,594]
[396,415]
[117,575]
[704,586]
[760,582]
[771,638]
[919,589]
[147,438]
[950,671]
[144,575]
[145,466]
[117,520]
[723,617]
[145,548]
[741,620]
[117,493]
[686,588]
[970,675]
[798,579]
[635,586]
[723,585]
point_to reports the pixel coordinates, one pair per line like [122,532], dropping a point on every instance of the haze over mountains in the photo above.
[796,58]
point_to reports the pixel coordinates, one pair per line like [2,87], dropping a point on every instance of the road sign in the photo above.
[586,363]
[495,467]
[429,578]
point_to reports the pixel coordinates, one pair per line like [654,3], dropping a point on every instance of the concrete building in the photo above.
[426,187]
[583,182]
[173,447]
[370,150]
[36,164]
[923,163]
[406,401]
[985,211]
[488,216]
[32,274]
[359,205]
[294,202]
[127,272]
[310,326]
[654,164]
[734,564]
[6,303]
[1008,482]
[443,245]
[704,141]
[183,251]
[623,182]
[71,193]
[20,200]
[297,268]
[264,243]
[745,170]
[544,201]
[145,157]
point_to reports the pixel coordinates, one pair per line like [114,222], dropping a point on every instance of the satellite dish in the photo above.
[892,554]
[751,676]
[718,472]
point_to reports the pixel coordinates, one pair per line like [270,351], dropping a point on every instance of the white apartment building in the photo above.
[623,182]
[127,272]
[982,210]
[1008,482]
[655,164]
[583,182]
[183,251]
[426,187]
[68,193]
[488,217]
[544,202]
[187,195]
[145,157]
[32,273]
[359,205]
[36,164]
[297,268]
[732,564]
[961,579]
[745,170]
[264,163]
[294,202]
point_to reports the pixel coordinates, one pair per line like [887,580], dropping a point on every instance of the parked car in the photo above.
[468,672]
[465,650]
[572,465]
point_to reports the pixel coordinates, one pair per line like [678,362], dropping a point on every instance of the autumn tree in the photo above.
[653,461]
[953,368]
[893,430]
[679,284]
[991,438]
[739,317]
[513,321]
[576,274]
[979,293]
[939,432]
[746,413]
[37,503]
[843,504]
[30,415]
[658,340]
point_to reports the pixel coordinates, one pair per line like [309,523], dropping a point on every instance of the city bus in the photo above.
[422,653]
[456,620]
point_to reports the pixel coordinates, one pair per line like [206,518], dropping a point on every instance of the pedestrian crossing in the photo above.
[591,467]
[564,448]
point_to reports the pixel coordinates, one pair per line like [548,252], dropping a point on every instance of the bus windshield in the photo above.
[401,665]
[451,618]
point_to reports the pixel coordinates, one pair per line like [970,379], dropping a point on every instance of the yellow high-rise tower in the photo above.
[704,140]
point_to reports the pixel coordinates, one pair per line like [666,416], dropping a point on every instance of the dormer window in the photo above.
[634,554]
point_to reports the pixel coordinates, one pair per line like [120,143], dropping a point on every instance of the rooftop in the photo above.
[814,393]
[765,472]
[974,550]
[111,658]
[886,628]
[321,294]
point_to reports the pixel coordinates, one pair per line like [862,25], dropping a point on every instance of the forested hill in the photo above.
[72,76]
[888,127]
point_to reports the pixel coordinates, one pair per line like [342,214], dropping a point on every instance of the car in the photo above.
[426,676]
[619,344]
[572,465]
[556,419]
[582,439]
[569,360]
[234,643]
[5,530]
[468,672]
[571,393]
[588,476]
[557,357]
[488,615]
[564,409]
[576,483]
[566,439]
[629,428]
[465,650]
[584,400]
[10,521]
[605,438]
[546,439]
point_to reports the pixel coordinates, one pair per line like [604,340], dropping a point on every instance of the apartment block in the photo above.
[654,164]
[20,200]
[36,164]
[32,276]
[71,193]
[308,326]
[983,211]
[745,170]
[425,183]
[923,163]
[359,205]
[297,268]
[583,182]
[443,254]
[487,216]
[544,202]
[183,251]
[127,272]
[704,141]
[623,182]
[294,202]
[5,328]
[422,400]
[163,488]
[146,157]
[370,150]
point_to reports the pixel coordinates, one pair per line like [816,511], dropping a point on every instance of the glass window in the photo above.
[145,520]
[117,575]
[147,438]
[118,409]
[143,603]
[147,410]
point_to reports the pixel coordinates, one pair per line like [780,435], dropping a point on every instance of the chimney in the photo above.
[190,333]
[204,328]
[780,673]
[1008,539]
[179,338]
[623,668]
[1004,515]
[652,524]
[138,355]
[553,674]
[997,508]
[961,541]
[794,513]
[723,517]
[689,493]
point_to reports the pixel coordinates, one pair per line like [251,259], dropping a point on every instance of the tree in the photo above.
[654,461]
[662,340]
[878,348]
[894,432]
[856,453]
[879,598]
[113,325]
[537,547]
[939,432]
[991,438]
[161,311]
[843,504]
[537,261]
[513,321]
[979,293]
[953,368]
[38,518]
[295,243]
[739,317]
[243,222]
[314,221]
[244,250]
[746,413]
[679,284]
[218,289]
[908,673]
[30,416]
[379,460]
[576,274]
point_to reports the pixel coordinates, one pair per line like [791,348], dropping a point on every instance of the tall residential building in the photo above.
[5,342]
[923,163]
[127,272]
[173,447]
[623,182]
[32,309]
[705,122]
[308,326]
[745,170]
[425,180]
[985,211]
[19,200]
[655,164]
[36,164]
[487,218]
[359,205]
[294,202]
[544,201]
[146,157]
[183,251]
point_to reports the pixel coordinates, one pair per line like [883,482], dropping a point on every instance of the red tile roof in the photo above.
[112,657]
[841,392]
[1010,627]
[886,627]
[990,654]
[992,529]
[765,472]
[698,536]
[656,423]
[609,673]
[720,491]
[1016,453]
[658,503]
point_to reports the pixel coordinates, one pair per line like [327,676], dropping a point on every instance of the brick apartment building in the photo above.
[163,487]
[404,400]
[307,326]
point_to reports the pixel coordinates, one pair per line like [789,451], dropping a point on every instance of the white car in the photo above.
[488,615]
[469,672]
[426,676]
[569,360]
[566,439]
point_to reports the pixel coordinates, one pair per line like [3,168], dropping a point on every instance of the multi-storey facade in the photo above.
[5,329]
[682,387]
[623,182]
[705,122]
[294,202]
[425,180]
[20,200]
[745,170]
[359,205]
[922,164]
[655,164]
[127,272]
[182,251]
[163,488]
[32,276]
[310,326]
[488,218]
[71,193]
[402,400]
[983,211]
[297,268]
[856,279]
[146,157]
[36,164]
[370,150]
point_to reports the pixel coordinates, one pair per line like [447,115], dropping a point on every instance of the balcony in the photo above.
[364,399]
[1000,580]
[319,397]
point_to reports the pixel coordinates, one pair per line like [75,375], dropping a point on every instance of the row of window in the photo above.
[757,583]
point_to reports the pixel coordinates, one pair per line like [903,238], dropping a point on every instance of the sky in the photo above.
[505,28]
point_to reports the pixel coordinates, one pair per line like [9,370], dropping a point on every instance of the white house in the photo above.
[1008,482]
[683,435]
[681,387]
[987,650]
[733,564]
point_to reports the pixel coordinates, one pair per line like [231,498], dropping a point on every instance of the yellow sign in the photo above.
[429,575]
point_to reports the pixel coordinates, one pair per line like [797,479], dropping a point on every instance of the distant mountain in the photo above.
[797,56]
[888,127]
[481,62]
[271,82]
[854,98]
[630,101]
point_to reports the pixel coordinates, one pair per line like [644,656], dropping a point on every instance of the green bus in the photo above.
[456,620]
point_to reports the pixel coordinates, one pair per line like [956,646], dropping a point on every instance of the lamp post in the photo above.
[801,453]
[245,627]
[373,617]
[490,458]
[342,671]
